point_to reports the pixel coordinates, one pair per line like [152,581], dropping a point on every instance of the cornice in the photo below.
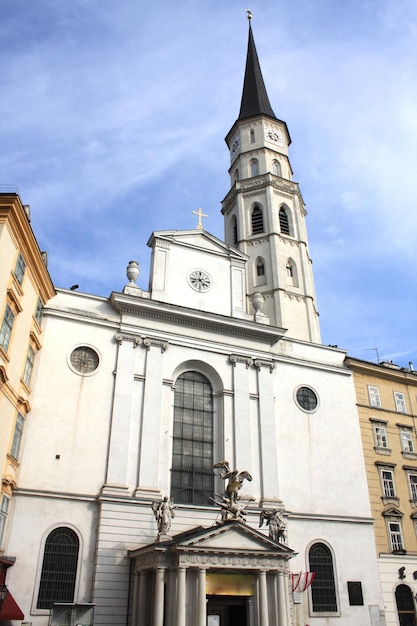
[378,370]
[192,318]
[256,183]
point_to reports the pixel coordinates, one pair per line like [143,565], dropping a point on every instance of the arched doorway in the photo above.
[405,606]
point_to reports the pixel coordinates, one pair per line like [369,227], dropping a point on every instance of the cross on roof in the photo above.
[200,215]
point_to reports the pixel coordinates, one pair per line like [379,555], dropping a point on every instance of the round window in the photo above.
[306,399]
[84,360]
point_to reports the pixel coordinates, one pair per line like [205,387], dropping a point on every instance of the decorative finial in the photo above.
[200,215]
[250,14]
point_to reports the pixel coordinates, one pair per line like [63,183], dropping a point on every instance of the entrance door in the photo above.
[405,606]
[227,611]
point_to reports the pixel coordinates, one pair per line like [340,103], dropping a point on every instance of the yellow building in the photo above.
[387,406]
[25,286]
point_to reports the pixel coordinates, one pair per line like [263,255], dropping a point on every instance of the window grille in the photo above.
[284,222]
[84,359]
[192,477]
[6,328]
[59,568]
[257,221]
[323,591]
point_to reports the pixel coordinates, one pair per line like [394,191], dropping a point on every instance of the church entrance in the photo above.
[227,611]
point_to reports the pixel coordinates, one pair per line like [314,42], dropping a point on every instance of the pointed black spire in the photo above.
[255,100]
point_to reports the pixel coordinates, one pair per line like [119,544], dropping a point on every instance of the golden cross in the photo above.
[250,14]
[200,215]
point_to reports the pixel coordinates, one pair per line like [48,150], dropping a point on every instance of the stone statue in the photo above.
[235,481]
[164,512]
[230,510]
[277,524]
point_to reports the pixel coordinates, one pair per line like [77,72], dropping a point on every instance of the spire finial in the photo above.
[250,14]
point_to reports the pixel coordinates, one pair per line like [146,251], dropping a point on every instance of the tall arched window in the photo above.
[260,267]
[192,477]
[254,167]
[234,230]
[292,274]
[59,568]
[257,220]
[276,168]
[405,605]
[284,222]
[323,591]
[252,136]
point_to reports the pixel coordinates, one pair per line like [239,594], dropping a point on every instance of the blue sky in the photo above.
[112,123]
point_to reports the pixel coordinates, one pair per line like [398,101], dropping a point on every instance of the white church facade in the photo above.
[137,396]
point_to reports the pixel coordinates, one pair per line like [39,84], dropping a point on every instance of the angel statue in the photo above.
[276,523]
[164,512]
[230,510]
[235,482]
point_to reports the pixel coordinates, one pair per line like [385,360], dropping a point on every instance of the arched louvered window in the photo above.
[252,136]
[276,168]
[405,605]
[59,568]
[234,230]
[284,223]
[254,167]
[323,590]
[192,477]
[257,221]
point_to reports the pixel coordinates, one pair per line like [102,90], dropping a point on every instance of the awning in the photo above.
[10,609]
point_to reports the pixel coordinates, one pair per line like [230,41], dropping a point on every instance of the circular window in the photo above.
[306,399]
[84,360]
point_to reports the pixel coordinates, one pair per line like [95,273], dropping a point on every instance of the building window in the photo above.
[236,175]
[276,168]
[17,436]
[257,221]
[387,483]
[6,328]
[374,397]
[39,311]
[400,402]
[252,137]
[395,536]
[4,508]
[84,360]
[19,270]
[192,478]
[234,230]
[27,374]
[355,593]
[306,399]
[254,167]
[405,605]
[380,436]
[59,568]
[323,591]
[260,267]
[412,481]
[407,443]
[284,223]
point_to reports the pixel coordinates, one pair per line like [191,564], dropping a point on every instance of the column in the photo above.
[263,599]
[282,604]
[158,601]
[151,417]
[142,600]
[268,431]
[241,412]
[181,596]
[287,597]
[117,468]
[201,598]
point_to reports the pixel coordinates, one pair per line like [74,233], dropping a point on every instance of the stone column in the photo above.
[268,431]
[117,467]
[141,604]
[263,599]
[151,417]
[158,601]
[282,603]
[241,412]
[287,597]
[201,598]
[181,596]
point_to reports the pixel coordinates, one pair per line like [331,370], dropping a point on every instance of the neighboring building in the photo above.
[138,395]
[387,406]
[25,287]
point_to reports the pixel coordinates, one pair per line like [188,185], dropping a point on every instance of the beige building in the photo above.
[387,406]
[25,286]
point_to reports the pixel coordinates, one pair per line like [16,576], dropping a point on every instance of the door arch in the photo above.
[405,606]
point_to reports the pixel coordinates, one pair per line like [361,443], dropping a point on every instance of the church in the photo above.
[192,455]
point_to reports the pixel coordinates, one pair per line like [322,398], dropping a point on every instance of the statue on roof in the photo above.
[164,512]
[231,508]
[277,524]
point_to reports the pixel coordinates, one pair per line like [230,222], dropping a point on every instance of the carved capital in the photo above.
[239,358]
[261,363]
[148,342]
[120,338]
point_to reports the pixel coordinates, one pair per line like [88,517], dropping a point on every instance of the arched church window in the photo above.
[292,274]
[254,167]
[284,222]
[323,590]
[234,230]
[192,478]
[260,267]
[252,136]
[257,221]
[276,168]
[59,568]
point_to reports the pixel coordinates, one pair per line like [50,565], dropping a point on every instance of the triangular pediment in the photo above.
[197,239]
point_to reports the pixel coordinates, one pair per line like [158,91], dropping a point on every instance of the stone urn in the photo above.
[133,271]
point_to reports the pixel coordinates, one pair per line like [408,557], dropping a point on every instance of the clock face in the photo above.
[199,280]
[235,145]
[275,136]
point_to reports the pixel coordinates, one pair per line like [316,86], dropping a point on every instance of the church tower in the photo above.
[264,211]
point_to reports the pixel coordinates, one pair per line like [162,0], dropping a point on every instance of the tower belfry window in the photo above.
[254,167]
[234,230]
[257,221]
[284,222]
[252,136]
